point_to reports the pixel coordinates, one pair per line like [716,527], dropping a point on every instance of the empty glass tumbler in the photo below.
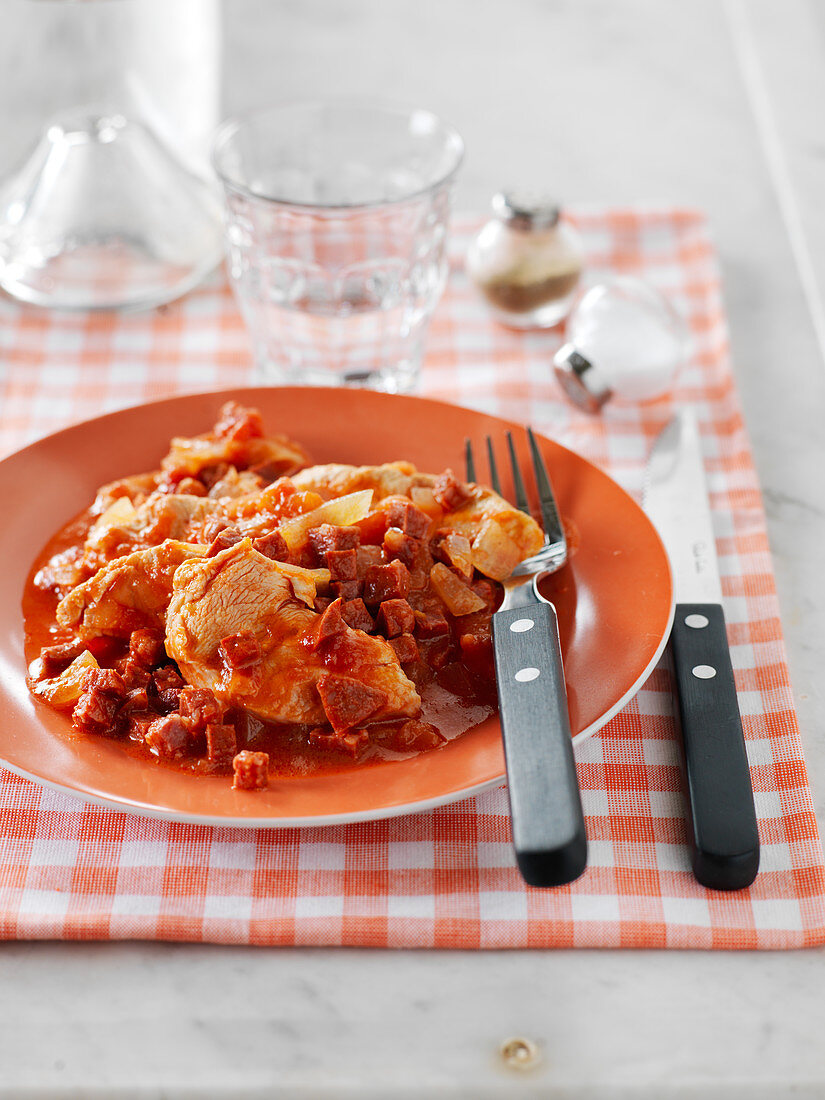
[336,220]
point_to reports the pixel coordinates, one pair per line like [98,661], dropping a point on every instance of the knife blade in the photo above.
[724,832]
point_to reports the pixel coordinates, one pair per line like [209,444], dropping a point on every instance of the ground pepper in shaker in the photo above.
[526,262]
[624,340]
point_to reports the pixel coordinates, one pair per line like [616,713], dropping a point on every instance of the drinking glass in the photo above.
[336,222]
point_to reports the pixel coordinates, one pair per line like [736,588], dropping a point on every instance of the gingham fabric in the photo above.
[445,878]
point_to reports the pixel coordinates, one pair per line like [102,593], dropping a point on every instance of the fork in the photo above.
[545,801]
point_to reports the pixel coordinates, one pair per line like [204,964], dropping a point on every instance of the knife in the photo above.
[720,796]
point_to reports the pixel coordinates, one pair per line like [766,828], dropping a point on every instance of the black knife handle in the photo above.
[725,836]
[545,801]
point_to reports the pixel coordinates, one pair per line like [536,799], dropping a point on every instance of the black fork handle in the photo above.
[545,801]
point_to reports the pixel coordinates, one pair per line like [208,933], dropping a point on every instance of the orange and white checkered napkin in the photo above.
[445,878]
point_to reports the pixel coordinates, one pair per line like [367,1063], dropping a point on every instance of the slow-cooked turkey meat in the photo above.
[126,594]
[248,598]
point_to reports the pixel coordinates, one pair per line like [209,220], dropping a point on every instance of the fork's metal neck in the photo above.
[551,557]
[519,593]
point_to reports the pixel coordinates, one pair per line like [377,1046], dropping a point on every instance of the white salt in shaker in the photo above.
[624,340]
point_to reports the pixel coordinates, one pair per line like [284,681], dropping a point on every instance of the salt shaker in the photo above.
[526,261]
[624,340]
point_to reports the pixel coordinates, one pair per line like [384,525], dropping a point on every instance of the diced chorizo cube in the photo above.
[96,711]
[431,624]
[347,590]
[420,573]
[168,737]
[331,622]
[395,617]
[229,536]
[272,545]
[199,708]
[487,591]
[367,557]
[348,702]
[355,614]
[305,557]
[167,683]
[135,714]
[221,743]
[137,701]
[167,677]
[406,648]
[213,527]
[251,771]
[450,492]
[169,700]
[105,680]
[329,537]
[386,582]
[440,652]
[57,657]
[411,520]
[240,650]
[351,744]
[134,675]
[146,647]
[372,527]
[342,564]
[403,547]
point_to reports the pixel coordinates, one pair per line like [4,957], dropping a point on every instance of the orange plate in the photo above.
[614,601]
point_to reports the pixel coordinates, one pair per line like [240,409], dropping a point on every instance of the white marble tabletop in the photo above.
[710,103]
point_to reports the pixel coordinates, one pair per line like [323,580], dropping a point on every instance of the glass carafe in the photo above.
[106,111]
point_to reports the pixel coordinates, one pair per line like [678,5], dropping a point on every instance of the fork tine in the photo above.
[469,461]
[518,482]
[549,509]
[491,459]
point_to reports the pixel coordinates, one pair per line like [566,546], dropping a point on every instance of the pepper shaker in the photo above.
[526,261]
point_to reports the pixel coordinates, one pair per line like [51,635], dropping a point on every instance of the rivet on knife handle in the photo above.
[545,804]
[725,836]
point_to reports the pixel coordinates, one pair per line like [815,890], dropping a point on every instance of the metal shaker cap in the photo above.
[581,379]
[526,209]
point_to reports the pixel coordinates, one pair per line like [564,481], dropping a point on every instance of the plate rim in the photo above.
[356,816]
